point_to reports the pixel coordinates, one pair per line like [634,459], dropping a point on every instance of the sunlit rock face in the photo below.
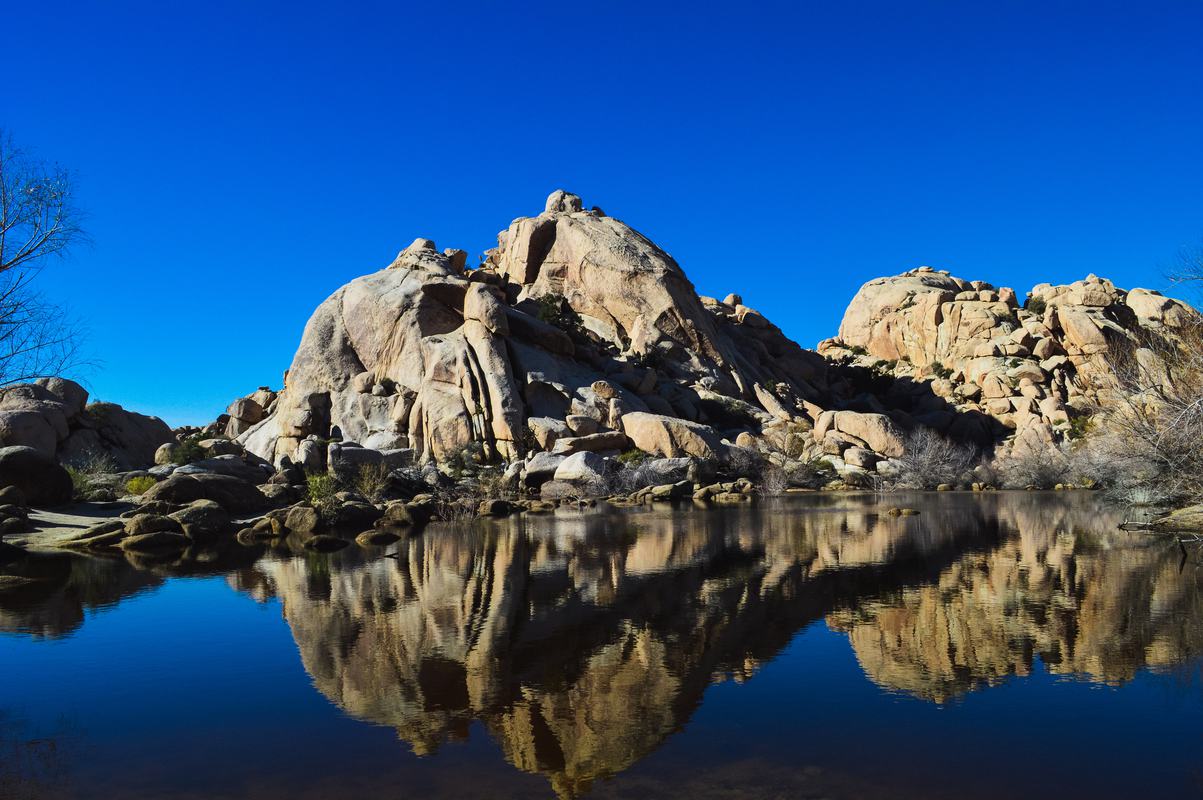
[1030,366]
[433,356]
[582,642]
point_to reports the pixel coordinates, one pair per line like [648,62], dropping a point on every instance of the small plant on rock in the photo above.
[633,457]
[188,451]
[320,491]
[140,485]
[371,481]
[86,469]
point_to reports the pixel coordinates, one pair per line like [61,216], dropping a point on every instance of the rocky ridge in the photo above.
[575,334]
[577,349]
[1034,368]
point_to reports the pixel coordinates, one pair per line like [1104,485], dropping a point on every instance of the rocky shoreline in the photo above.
[576,362]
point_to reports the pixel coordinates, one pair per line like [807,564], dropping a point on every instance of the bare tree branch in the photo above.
[38,221]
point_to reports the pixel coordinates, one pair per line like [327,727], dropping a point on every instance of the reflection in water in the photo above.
[583,641]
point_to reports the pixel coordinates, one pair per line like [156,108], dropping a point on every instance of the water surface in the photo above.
[995,645]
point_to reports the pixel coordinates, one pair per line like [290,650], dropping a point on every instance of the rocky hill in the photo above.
[577,340]
[578,334]
[1034,368]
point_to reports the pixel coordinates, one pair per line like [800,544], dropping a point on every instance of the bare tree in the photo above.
[1154,428]
[38,222]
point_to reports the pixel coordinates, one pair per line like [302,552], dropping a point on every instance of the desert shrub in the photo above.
[857,350]
[930,459]
[140,484]
[371,481]
[773,480]
[940,371]
[85,469]
[188,450]
[742,462]
[465,461]
[1036,305]
[633,457]
[490,482]
[320,491]
[1079,426]
[555,310]
[1030,469]
[631,477]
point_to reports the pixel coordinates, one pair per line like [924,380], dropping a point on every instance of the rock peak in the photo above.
[562,202]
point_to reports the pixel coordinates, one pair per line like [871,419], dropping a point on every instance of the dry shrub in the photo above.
[773,480]
[371,481]
[1153,432]
[930,459]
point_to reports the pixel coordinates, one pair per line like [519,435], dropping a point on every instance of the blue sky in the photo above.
[240,161]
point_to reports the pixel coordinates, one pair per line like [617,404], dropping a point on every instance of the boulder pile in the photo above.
[53,416]
[575,335]
[1034,368]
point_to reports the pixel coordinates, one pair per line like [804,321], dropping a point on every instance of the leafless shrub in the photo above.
[1155,425]
[773,480]
[631,478]
[371,481]
[930,459]
[1027,469]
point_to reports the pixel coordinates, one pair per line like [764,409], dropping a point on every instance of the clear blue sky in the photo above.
[240,161]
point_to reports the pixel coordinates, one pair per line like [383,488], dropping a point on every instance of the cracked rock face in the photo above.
[573,314]
[1030,367]
[578,333]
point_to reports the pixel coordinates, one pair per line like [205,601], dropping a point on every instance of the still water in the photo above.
[994,646]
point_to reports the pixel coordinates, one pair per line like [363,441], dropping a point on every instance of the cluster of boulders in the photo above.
[577,360]
[576,334]
[1033,369]
[54,417]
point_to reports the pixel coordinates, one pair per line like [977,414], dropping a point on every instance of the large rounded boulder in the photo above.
[39,477]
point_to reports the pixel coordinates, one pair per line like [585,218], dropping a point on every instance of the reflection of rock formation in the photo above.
[583,642]
[46,594]
[1064,586]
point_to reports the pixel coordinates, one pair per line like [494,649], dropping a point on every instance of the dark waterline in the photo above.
[996,645]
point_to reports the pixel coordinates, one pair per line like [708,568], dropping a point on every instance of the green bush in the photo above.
[371,481]
[140,485]
[320,489]
[1036,305]
[555,310]
[1079,427]
[188,451]
[940,370]
[633,457]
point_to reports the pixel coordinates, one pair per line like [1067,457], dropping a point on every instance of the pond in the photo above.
[991,646]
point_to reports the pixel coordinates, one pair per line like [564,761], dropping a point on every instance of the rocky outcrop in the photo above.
[53,416]
[578,334]
[1033,368]
[573,329]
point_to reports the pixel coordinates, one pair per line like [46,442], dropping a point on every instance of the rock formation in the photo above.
[1034,368]
[583,642]
[576,333]
[54,417]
